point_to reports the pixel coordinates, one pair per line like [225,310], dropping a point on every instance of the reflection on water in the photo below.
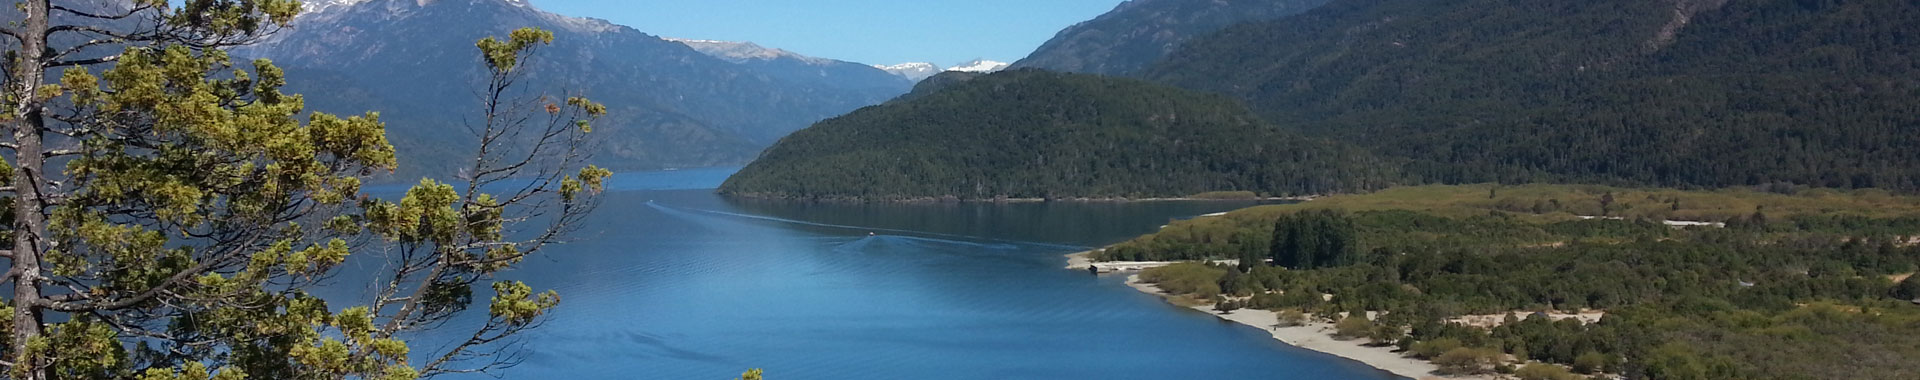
[682,284]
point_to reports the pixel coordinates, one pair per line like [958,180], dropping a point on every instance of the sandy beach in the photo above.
[1317,336]
[1081,260]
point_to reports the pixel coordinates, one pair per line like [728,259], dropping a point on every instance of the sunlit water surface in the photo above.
[670,281]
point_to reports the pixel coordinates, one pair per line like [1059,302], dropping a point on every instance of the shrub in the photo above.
[1541,371]
[1590,362]
[1354,326]
[1291,318]
[1430,349]
[1466,361]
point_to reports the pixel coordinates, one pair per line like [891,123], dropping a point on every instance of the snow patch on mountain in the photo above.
[980,66]
[313,6]
[738,52]
[396,9]
[913,71]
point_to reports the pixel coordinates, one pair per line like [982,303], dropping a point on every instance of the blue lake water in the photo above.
[673,282]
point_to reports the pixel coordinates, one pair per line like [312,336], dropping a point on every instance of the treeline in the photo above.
[1797,296]
[1034,134]
[1697,94]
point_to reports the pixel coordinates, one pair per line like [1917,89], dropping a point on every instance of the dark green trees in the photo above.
[1612,91]
[1036,134]
[172,209]
[1314,239]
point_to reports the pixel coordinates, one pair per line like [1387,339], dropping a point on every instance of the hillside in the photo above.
[1137,33]
[1036,134]
[1686,93]
[671,105]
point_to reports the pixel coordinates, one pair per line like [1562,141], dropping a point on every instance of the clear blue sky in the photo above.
[944,32]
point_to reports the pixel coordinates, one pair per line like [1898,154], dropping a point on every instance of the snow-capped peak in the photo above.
[913,71]
[908,66]
[314,6]
[314,10]
[980,66]
[743,51]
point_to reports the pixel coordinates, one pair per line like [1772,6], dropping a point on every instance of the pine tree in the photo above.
[170,211]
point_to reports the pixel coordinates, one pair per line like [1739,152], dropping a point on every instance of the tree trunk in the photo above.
[29,222]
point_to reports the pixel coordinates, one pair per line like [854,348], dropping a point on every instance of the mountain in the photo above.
[1038,134]
[937,82]
[979,66]
[1678,93]
[1138,33]
[795,68]
[671,105]
[913,71]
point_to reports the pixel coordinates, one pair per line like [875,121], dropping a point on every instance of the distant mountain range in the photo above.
[674,103]
[917,71]
[799,69]
[913,71]
[979,66]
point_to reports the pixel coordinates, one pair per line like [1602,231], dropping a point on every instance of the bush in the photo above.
[1354,326]
[1291,318]
[1385,334]
[1225,306]
[1590,363]
[1195,279]
[1541,371]
[1430,349]
[1466,361]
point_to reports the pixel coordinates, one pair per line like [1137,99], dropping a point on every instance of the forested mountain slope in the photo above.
[1037,134]
[1140,32]
[1689,93]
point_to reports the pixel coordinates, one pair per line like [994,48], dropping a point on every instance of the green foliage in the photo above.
[1291,318]
[1311,240]
[174,244]
[1687,94]
[1353,327]
[504,56]
[1591,363]
[1034,134]
[1198,279]
[1432,348]
[1539,371]
[1225,306]
[1467,361]
[1792,300]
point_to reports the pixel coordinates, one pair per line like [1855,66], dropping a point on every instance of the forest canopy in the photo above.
[1036,134]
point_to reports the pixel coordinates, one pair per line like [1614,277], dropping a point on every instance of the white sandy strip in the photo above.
[1080,261]
[1318,336]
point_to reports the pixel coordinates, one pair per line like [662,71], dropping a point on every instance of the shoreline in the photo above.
[1316,336]
[1081,260]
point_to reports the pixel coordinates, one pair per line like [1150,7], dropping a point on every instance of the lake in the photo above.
[673,282]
